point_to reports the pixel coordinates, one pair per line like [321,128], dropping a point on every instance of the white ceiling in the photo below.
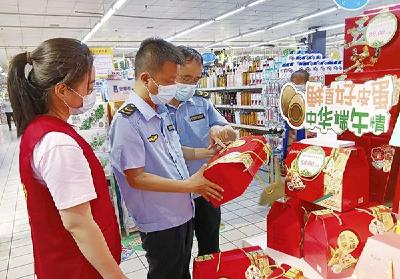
[26,23]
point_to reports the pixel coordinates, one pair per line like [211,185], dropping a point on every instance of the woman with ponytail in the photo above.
[73,225]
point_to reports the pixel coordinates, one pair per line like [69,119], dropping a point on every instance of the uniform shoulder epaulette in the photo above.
[128,110]
[202,94]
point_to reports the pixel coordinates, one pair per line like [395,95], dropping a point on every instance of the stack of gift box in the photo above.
[327,216]
[334,214]
[233,168]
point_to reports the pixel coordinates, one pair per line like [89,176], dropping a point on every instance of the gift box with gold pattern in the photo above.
[285,225]
[234,167]
[335,178]
[333,241]
[234,264]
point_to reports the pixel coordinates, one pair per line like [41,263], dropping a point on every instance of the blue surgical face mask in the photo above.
[184,91]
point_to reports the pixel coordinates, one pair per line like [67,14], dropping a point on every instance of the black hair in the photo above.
[59,60]
[191,54]
[152,54]
[303,73]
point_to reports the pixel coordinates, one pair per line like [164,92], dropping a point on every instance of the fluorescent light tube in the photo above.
[253,33]
[117,5]
[319,13]
[228,14]
[180,34]
[330,27]
[255,3]
[103,19]
[304,33]
[279,25]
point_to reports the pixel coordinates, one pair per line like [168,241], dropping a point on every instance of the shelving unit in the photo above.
[237,88]
[249,127]
[240,107]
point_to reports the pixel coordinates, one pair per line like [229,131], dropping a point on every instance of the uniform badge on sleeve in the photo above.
[153,138]
[128,110]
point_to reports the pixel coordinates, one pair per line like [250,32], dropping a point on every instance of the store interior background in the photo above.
[241,28]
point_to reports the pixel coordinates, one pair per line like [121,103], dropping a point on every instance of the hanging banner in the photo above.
[103,61]
[344,105]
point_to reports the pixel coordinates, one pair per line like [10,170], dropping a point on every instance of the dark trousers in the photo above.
[9,115]
[168,252]
[206,226]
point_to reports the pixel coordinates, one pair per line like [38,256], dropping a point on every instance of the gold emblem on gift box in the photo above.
[341,257]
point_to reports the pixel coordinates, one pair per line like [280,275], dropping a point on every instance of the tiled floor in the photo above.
[241,218]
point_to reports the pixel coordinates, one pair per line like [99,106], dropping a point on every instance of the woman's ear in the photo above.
[60,90]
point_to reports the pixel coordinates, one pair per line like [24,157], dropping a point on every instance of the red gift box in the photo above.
[326,176]
[229,264]
[333,242]
[285,225]
[234,167]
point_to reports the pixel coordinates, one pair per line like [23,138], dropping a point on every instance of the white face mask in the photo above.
[87,103]
[165,94]
[185,91]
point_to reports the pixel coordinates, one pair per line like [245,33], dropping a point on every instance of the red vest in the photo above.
[55,251]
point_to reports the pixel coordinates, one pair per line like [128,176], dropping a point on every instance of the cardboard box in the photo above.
[380,258]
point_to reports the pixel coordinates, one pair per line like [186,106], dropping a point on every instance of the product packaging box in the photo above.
[327,176]
[234,167]
[285,225]
[238,264]
[333,241]
[380,258]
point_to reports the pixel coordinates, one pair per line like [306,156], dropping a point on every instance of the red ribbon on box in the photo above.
[234,167]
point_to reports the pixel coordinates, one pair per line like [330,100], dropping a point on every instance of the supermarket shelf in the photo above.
[234,88]
[240,107]
[249,127]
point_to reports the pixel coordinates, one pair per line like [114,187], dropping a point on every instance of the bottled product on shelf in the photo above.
[271,93]
[248,72]
[241,98]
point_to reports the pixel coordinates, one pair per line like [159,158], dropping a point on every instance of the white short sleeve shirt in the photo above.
[58,163]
